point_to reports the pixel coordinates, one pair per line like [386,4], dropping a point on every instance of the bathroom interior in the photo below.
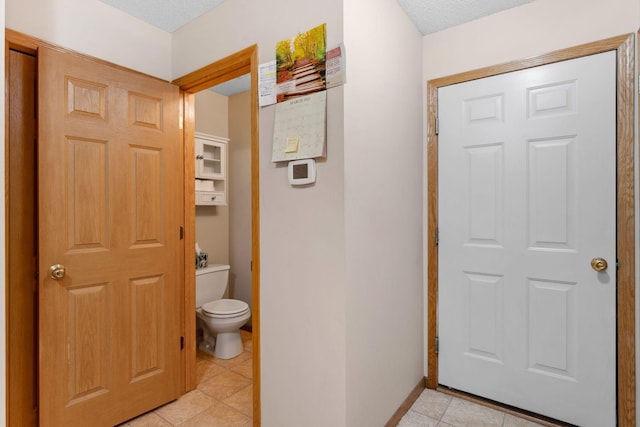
[223,233]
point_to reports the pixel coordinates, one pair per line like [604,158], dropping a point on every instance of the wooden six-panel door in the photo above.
[110,179]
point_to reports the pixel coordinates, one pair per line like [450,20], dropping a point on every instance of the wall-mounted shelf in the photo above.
[211,169]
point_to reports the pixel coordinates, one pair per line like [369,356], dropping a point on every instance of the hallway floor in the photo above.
[435,409]
[223,398]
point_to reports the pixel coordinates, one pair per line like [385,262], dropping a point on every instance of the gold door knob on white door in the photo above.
[599,264]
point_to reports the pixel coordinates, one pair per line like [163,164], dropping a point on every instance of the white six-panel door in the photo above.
[526,200]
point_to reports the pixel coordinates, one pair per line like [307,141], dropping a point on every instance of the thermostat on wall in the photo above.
[302,172]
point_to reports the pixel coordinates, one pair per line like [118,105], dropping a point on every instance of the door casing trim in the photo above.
[626,358]
[230,67]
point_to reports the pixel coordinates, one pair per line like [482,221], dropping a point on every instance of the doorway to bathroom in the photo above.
[236,65]
[543,319]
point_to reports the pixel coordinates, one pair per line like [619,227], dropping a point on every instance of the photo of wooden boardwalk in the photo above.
[306,77]
[301,64]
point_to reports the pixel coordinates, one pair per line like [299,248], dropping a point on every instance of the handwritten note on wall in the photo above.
[300,128]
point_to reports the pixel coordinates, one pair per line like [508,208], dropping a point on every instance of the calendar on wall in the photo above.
[300,128]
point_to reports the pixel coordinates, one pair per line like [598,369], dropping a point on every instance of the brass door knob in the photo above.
[599,264]
[56,271]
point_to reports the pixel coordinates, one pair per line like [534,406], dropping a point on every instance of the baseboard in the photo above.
[408,402]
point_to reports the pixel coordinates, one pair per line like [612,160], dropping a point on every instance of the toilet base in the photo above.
[207,347]
[228,345]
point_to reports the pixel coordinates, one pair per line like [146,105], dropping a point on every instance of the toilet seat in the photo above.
[225,308]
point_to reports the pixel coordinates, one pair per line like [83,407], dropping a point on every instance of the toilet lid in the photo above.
[225,307]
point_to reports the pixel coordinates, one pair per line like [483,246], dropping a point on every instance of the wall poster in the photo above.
[301,64]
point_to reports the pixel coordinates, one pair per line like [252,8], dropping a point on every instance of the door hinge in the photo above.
[181,233]
[437,345]
[251,266]
[437,236]
[181,343]
[437,126]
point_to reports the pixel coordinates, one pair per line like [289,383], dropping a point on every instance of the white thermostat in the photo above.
[302,172]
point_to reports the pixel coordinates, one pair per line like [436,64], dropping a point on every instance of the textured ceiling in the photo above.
[168,15]
[429,16]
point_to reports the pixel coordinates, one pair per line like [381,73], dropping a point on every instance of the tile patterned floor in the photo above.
[223,398]
[435,409]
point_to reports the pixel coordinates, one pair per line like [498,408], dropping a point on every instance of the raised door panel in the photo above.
[526,198]
[110,212]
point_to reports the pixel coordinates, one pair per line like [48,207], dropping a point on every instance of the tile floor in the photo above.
[435,409]
[223,397]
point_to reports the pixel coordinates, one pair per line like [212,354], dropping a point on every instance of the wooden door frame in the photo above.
[626,359]
[230,67]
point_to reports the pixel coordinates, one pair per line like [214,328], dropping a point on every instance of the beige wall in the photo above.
[96,29]
[383,209]
[336,256]
[212,222]
[535,28]
[240,196]
[224,232]
[532,29]
[301,230]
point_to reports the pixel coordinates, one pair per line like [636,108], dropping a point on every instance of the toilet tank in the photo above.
[211,283]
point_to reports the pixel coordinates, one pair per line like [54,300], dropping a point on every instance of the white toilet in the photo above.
[221,319]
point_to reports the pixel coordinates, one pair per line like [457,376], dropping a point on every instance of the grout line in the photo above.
[445,409]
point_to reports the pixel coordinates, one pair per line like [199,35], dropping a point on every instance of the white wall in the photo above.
[93,28]
[240,196]
[301,229]
[383,209]
[532,29]
[535,28]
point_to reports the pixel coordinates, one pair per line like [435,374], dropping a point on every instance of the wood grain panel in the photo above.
[144,394]
[189,331]
[625,47]
[230,67]
[87,189]
[626,236]
[85,98]
[144,203]
[88,342]
[255,235]
[145,111]
[147,205]
[21,284]
[432,231]
[148,329]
